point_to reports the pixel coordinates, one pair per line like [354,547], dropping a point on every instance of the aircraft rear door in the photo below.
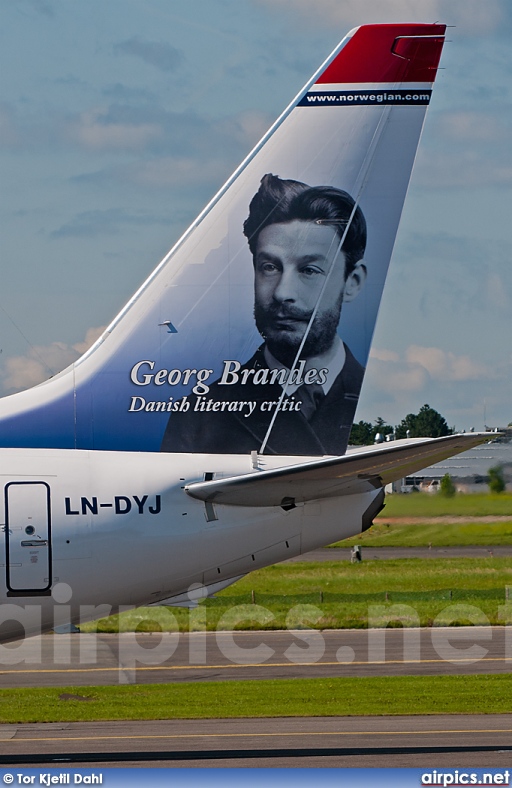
[28,538]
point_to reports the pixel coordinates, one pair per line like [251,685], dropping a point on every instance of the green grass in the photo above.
[426,505]
[483,694]
[337,594]
[436,534]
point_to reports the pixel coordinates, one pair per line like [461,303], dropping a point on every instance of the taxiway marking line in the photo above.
[258,735]
[463,660]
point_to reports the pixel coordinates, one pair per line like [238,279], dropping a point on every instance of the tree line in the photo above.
[427,423]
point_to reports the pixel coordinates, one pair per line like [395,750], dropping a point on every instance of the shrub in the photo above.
[447,487]
[496,480]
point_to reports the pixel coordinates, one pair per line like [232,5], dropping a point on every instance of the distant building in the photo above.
[469,470]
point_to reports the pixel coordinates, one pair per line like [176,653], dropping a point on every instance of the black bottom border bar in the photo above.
[205,755]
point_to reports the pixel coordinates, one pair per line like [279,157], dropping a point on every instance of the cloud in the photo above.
[159,54]
[98,129]
[477,258]
[420,370]
[393,376]
[42,7]
[462,169]
[192,151]
[468,147]
[471,126]
[470,16]
[95,223]
[43,362]
[136,124]
[446,366]
[120,127]
[460,387]
[245,128]
[182,171]
[120,92]
[95,130]
[497,293]
[91,335]
[384,355]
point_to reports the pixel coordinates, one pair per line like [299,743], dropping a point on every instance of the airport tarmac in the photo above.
[82,660]
[445,740]
[393,553]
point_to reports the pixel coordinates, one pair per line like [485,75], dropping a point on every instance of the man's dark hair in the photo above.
[278,201]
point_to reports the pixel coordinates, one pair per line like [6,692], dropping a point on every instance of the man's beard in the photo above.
[284,343]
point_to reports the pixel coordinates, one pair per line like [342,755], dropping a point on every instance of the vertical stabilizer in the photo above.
[253,334]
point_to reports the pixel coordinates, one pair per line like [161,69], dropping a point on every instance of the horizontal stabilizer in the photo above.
[358,471]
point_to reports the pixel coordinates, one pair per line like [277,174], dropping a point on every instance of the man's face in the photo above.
[291,263]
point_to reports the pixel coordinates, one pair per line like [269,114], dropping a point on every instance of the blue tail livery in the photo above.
[253,333]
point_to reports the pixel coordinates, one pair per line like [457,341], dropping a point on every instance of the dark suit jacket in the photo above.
[233,433]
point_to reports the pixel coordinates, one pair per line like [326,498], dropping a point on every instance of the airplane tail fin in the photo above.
[254,332]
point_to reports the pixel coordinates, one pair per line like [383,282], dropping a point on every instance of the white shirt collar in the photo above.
[333,361]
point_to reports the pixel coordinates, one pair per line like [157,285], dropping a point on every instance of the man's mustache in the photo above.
[281,312]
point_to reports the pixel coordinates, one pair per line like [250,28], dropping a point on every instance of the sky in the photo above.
[119,121]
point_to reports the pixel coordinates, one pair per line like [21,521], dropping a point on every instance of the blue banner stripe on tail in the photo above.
[363,97]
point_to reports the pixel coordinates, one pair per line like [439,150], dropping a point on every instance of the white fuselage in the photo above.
[88,532]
